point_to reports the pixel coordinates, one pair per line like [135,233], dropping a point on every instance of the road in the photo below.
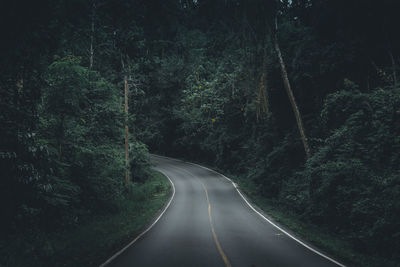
[208,223]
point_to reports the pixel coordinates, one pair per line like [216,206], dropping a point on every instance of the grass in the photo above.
[100,237]
[333,245]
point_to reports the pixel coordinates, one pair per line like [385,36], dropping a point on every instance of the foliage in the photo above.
[95,239]
[354,176]
[195,69]
[139,162]
[78,118]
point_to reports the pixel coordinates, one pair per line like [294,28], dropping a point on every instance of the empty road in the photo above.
[208,223]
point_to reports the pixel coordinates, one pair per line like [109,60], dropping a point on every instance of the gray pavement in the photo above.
[209,224]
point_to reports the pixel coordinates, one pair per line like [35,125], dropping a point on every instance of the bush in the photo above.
[354,177]
[81,124]
[139,162]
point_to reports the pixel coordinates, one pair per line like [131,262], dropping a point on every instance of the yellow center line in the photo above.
[220,250]
[224,257]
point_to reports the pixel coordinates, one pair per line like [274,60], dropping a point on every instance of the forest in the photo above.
[298,100]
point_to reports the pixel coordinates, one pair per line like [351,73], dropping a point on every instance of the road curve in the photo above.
[208,223]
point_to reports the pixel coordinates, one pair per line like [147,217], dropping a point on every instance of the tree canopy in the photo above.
[205,83]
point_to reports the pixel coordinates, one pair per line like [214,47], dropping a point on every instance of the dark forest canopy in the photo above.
[205,84]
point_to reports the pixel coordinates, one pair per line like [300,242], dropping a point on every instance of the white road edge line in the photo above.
[262,216]
[145,231]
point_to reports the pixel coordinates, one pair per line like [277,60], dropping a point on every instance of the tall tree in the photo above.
[289,90]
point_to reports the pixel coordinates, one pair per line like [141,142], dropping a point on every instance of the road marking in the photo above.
[227,263]
[145,231]
[220,250]
[272,223]
[262,216]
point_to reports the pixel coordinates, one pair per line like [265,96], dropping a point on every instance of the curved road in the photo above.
[208,223]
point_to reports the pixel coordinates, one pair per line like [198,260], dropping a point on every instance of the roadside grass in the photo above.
[93,242]
[336,247]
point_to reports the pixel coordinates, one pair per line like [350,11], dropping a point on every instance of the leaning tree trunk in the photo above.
[291,98]
[393,68]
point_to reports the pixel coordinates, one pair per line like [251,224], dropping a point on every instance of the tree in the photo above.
[79,125]
[289,91]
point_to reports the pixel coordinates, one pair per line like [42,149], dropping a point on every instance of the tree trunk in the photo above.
[126,93]
[91,48]
[291,98]
[91,52]
[393,68]
[262,94]
[126,129]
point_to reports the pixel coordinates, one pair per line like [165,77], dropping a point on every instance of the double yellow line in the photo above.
[220,250]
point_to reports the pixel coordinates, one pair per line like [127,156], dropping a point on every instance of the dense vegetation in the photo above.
[206,84]
[62,129]
[93,241]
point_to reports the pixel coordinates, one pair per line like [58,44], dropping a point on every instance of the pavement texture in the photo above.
[209,224]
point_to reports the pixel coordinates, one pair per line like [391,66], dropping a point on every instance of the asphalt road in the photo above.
[208,223]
